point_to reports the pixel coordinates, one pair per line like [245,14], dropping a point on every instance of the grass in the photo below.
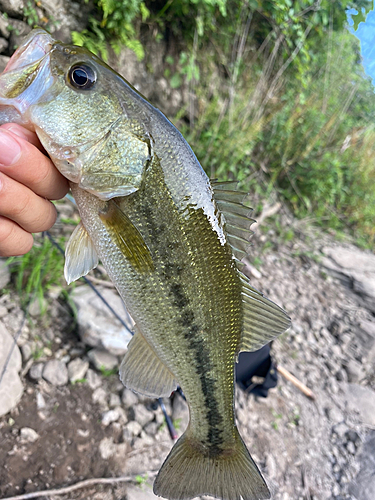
[312,146]
[108,372]
[37,272]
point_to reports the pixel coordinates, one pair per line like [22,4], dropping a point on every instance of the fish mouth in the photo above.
[26,77]
[36,46]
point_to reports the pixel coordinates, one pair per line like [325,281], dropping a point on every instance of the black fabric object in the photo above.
[259,364]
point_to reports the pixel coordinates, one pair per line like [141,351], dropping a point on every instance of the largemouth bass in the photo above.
[170,240]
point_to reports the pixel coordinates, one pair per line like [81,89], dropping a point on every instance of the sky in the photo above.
[366,35]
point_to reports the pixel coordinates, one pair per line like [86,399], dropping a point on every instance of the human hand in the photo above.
[28,180]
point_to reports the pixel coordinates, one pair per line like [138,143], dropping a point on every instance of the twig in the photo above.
[73,487]
[302,387]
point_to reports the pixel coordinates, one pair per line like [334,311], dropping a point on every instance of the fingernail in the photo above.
[10,150]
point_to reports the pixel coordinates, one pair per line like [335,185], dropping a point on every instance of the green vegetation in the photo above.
[301,127]
[37,272]
[283,103]
[108,372]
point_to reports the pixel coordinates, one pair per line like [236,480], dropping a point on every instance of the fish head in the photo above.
[81,110]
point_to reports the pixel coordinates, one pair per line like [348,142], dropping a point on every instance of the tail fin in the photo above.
[188,473]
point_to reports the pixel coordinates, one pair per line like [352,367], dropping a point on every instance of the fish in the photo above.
[172,242]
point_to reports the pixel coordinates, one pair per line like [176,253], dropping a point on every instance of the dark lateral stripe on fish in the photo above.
[203,367]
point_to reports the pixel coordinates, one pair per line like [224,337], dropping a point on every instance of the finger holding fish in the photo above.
[27,178]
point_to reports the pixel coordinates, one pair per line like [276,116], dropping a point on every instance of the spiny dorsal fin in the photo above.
[263,319]
[237,218]
[80,255]
[127,237]
[143,371]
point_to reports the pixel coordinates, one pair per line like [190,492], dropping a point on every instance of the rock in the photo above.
[36,371]
[360,400]
[110,416]
[353,436]
[11,388]
[354,371]
[151,428]
[356,268]
[366,334]
[98,327]
[143,441]
[271,466]
[114,400]
[129,398]
[4,270]
[113,415]
[131,429]
[4,28]
[36,307]
[334,414]
[67,16]
[100,396]
[26,351]
[3,309]
[40,401]
[77,369]
[56,372]
[363,486]
[102,360]
[93,379]
[3,44]
[140,493]
[28,435]
[3,62]
[107,448]
[142,415]
[12,7]
[351,448]
[341,429]
[17,33]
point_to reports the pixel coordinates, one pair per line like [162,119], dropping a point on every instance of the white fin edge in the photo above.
[80,255]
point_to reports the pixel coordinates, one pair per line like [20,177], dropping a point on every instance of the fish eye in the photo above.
[81,76]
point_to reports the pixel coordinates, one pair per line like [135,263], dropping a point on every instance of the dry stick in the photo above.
[308,392]
[73,487]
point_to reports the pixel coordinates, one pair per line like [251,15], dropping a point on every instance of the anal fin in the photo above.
[143,371]
[263,319]
[80,255]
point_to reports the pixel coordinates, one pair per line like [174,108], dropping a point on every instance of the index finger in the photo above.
[24,133]
[31,167]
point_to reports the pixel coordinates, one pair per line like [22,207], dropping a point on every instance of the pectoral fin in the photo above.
[80,255]
[142,371]
[263,319]
[127,237]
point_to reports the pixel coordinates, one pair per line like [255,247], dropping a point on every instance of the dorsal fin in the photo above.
[263,319]
[237,218]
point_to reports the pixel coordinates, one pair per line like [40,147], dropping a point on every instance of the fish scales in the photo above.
[169,240]
[184,250]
